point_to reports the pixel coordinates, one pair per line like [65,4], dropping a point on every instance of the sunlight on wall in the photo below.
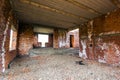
[43,39]
[11,36]
[13,39]
[74,30]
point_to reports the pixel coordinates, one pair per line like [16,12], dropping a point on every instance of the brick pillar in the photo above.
[90,41]
[50,40]
[55,39]
[6,19]
[3,33]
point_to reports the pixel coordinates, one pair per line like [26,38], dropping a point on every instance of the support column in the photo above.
[55,39]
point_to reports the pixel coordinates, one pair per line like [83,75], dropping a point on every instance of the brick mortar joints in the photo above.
[3,45]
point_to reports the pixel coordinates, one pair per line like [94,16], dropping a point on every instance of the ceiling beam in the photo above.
[116,3]
[53,9]
[83,6]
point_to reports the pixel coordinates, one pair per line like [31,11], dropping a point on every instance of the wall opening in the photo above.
[43,39]
[71,40]
[13,39]
[11,36]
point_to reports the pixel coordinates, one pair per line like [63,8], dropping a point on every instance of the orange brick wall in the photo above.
[6,19]
[26,39]
[100,39]
[2,28]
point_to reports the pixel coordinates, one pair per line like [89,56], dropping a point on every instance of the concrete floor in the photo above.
[59,67]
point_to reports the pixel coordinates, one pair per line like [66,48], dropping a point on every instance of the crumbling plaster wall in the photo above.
[6,20]
[100,39]
[59,38]
[11,54]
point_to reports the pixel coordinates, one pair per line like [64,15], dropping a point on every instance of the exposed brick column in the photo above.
[3,34]
[55,39]
[26,39]
[90,41]
[50,40]
[83,41]
[6,20]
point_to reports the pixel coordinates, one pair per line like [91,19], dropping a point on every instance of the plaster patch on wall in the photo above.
[111,52]
[62,44]
[62,41]
[83,52]
[104,46]
[102,60]
[101,44]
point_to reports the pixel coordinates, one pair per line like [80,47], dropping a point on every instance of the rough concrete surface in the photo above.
[58,67]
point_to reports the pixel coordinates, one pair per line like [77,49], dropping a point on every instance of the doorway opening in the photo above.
[43,39]
[71,40]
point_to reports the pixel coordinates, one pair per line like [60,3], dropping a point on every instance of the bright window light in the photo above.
[11,38]
[43,39]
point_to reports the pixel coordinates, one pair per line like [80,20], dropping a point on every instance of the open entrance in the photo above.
[71,40]
[43,39]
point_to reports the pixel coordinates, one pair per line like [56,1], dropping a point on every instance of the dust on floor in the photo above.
[59,67]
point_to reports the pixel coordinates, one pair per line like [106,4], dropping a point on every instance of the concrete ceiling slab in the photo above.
[61,13]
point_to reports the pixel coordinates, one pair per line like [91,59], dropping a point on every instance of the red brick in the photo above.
[26,39]
[105,38]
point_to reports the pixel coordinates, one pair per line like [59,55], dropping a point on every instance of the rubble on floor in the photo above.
[59,67]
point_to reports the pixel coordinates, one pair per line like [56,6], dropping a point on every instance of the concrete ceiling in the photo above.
[61,13]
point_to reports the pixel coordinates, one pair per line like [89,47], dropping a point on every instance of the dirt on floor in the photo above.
[59,67]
